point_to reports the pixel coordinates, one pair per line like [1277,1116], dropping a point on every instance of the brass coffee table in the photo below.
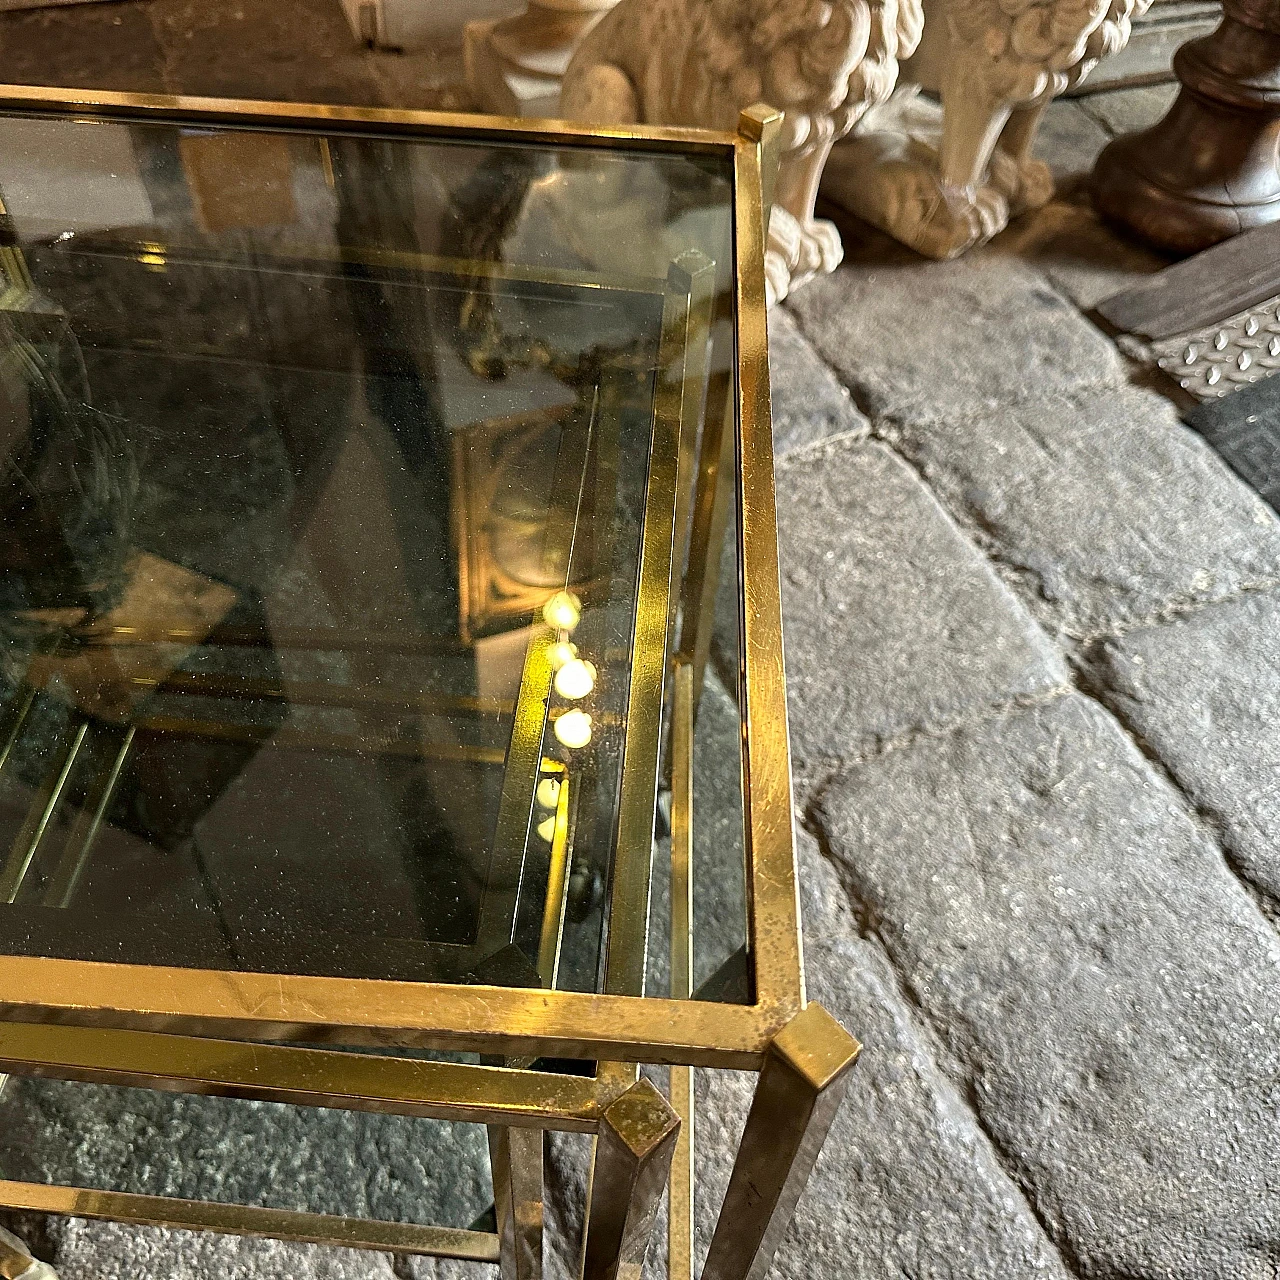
[372,752]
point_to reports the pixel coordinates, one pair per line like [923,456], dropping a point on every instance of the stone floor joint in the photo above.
[1210,821]
[951,1076]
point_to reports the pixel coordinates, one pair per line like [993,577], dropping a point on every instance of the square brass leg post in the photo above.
[629,1174]
[680,1207]
[799,1092]
[516,1158]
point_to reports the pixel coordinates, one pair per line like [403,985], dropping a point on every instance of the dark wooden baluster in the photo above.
[1209,169]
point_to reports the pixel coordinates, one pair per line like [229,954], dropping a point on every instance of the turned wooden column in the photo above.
[1211,167]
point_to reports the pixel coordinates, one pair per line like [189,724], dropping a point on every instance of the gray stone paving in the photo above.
[1107,993]
[809,401]
[987,328]
[909,1184]
[1202,692]
[1049,487]
[1032,652]
[902,624]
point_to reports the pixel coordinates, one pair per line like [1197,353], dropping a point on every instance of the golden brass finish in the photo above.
[516,1158]
[683,312]
[519,783]
[313,740]
[632,1159]
[84,1008]
[680,1196]
[250,1220]
[692,390]
[557,902]
[797,1096]
[146,253]
[310,1077]
[508,1021]
[766,791]
[356,697]
[14,1260]
[762,124]
[712,502]
[308,116]
[505,1020]
[283,637]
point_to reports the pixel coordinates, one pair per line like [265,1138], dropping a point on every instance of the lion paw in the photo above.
[935,218]
[798,251]
[1025,184]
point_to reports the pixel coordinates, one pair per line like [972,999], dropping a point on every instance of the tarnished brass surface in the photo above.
[311,1077]
[249,1220]
[629,1172]
[797,1096]
[503,1020]
[516,1159]
[774,908]
[15,1261]
[680,1206]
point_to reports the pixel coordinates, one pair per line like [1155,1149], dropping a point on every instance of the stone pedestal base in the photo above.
[891,174]
[515,65]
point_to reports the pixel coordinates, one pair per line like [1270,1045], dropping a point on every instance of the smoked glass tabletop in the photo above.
[323,475]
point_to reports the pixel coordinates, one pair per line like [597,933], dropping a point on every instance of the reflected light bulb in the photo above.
[561,654]
[574,728]
[548,793]
[563,611]
[547,829]
[576,679]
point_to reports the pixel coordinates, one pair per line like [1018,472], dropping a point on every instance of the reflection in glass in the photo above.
[322,474]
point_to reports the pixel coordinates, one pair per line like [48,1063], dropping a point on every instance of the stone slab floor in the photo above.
[1034,659]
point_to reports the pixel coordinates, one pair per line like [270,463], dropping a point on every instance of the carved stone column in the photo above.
[1211,167]
[515,65]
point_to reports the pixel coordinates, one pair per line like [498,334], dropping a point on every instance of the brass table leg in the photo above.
[680,1204]
[799,1092]
[516,1158]
[629,1174]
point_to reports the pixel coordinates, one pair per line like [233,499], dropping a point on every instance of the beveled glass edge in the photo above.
[249,112]
[515,1021]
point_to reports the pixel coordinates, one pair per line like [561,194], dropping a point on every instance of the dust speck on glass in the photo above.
[323,461]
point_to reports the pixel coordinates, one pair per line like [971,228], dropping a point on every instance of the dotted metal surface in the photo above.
[1210,363]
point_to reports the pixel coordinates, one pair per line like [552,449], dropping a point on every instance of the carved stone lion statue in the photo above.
[945,180]
[939,180]
[699,62]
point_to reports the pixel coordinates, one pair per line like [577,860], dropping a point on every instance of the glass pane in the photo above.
[319,457]
[229,1151]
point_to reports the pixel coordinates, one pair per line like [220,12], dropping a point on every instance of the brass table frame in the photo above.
[128,1024]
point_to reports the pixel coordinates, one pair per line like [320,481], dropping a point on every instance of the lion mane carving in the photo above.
[946,181]
[941,181]
[824,63]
